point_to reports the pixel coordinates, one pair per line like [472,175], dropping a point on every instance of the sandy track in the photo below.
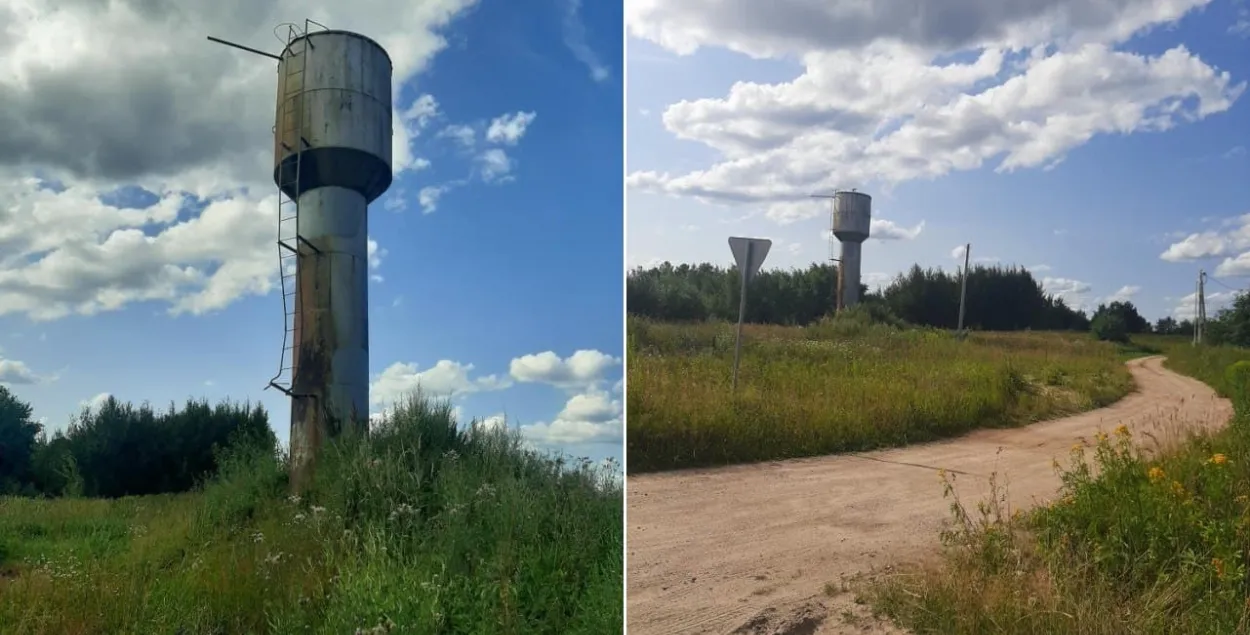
[743,547]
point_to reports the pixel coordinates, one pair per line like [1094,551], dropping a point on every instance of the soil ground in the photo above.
[769,548]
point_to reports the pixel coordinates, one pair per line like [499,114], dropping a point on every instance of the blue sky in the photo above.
[1105,149]
[498,248]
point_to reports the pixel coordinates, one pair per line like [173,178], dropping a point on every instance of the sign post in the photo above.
[749,253]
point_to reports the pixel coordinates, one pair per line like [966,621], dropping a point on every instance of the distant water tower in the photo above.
[850,223]
[332,157]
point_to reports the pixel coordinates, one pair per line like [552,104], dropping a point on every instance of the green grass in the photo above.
[833,387]
[421,529]
[1137,543]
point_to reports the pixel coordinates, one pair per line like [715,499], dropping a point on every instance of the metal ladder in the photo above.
[291,245]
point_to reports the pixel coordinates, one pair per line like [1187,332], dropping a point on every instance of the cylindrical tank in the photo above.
[334,103]
[852,216]
[332,156]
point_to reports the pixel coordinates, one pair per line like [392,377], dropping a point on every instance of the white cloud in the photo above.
[374,255]
[958,252]
[1038,268]
[445,379]
[508,129]
[494,165]
[590,417]
[463,134]
[882,229]
[1235,266]
[877,280]
[574,31]
[1185,308]
[493,422]
[1123,294]
[582,368]
[1073,292]
[15,372]
[96,402]
[876,103]
[185,142]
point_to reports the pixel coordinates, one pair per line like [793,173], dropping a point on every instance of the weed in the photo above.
[845,385]
[1140,540]
[423,527]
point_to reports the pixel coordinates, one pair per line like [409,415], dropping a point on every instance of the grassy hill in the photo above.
[422,528]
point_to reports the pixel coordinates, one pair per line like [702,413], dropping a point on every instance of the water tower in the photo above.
[850,223]
[332,157]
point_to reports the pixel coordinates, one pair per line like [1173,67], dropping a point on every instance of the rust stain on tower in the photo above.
[332,157]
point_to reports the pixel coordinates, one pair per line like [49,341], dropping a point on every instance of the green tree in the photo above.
[18,438]
[1109,326]
[1128,315]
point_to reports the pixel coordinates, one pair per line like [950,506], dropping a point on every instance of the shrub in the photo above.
[1109,327]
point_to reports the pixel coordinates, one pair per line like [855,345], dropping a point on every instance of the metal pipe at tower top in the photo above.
[332,157]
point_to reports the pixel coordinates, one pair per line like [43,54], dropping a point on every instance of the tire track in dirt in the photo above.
[751,548]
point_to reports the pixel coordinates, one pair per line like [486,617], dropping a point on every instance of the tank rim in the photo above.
[341,32]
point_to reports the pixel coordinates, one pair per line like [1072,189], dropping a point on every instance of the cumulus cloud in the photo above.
[15,372]
[196,152]
[590,417]
[877,102]
[445,379]
[582,368]
[1073,292]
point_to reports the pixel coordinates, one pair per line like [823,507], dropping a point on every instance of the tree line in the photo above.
[119,449]
[998,299]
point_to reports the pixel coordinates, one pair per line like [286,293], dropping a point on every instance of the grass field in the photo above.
[846,385]
[421,529]
[1150,545]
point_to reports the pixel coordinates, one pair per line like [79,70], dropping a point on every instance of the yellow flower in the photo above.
[1177,488]
[1219,459]
[1156,474]
[1219,567]
[1101,436]
[942,474]
[1243,499]
[1077,447]
[1122,430]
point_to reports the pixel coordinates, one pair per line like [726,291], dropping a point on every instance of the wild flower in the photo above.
[1218,459]
[1155,474]
[1122,430]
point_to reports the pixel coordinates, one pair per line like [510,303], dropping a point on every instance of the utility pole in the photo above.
[963,288]
[1200,314]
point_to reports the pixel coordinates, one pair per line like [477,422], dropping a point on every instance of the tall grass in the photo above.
[421,528]
[1138,542]
[845,385]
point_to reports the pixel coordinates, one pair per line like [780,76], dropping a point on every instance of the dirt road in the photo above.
[744,548]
